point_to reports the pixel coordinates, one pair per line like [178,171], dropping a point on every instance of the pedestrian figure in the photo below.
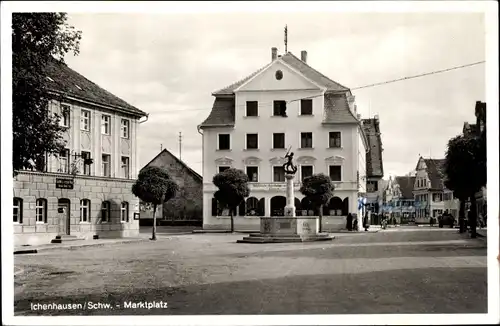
[431,221]
[366,222]
[355,224]
[349,222]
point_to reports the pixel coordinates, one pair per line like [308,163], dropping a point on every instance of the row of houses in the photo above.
[422,194]
[85,191]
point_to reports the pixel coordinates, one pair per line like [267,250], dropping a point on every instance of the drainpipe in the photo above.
[202,165]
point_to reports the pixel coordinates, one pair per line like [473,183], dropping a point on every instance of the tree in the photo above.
[154,186]
[233,189]
[318,189]
[465,169]
[37,38]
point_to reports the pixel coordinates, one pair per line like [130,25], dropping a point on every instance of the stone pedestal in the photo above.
[288,228]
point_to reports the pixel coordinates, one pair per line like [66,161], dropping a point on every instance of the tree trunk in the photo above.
[320,217]
[153,236]
[473,216]
[461,216]
[232,219]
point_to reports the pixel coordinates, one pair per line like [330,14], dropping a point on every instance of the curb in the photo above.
[74,247]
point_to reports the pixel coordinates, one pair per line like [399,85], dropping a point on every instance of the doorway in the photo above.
[64,215]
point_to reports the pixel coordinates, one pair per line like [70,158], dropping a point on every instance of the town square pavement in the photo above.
[401,270]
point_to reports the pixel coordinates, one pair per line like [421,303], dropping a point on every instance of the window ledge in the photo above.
[340,147]
[306,115]
[278,116]
[305,148]
[278,149]
[222,217]
[251,149]
[223,150]
[17,223]
[251,116]
[41,223]
[84,223]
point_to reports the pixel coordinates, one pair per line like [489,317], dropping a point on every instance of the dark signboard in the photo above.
[64,183]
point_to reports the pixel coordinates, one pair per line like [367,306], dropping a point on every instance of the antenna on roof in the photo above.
[180,145]
[286,39]
[161,147]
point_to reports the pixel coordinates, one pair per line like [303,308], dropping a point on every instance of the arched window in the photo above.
[85,210]
[105,211]
[124,212]
[41,210]
[18,210]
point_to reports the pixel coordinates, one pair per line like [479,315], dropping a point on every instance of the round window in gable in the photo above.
[279,74]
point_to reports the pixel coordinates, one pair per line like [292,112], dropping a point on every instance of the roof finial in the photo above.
[286,39]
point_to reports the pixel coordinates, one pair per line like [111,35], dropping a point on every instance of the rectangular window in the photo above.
[105,211]
[125,167]
[306,107]
[278,174]
[334,139]
[372,186]
[124,129]
[106,165]
[279,108]
[124,212]
[223,168]
[253,173]
[252,108]
[85,120]
[224,142]
[41,210]
[279,140]
[86,163]
[252,141]
[306,140]
[438,197]
[335,172]
[64,161]
[65,116]
[18,210]
[84,210]
[106,125]
[306,171]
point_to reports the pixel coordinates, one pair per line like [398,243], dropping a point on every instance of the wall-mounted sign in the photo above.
[137,216]
[64,183]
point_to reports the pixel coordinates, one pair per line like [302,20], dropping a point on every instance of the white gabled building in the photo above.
[254,121]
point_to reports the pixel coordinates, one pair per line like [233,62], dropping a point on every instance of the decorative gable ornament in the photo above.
[306,160]
[252,160]
[336,159]
[277,160]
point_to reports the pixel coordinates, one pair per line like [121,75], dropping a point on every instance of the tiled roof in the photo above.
[374,164]
[406,186]
[337,109]
[435,171]
[166,151]
[298,65]
[222,113]
[64,80]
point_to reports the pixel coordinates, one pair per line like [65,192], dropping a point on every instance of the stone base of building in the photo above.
[285,238]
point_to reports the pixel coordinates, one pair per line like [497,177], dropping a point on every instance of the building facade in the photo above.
[187,205]
[401,205]
[476,130]
[374,166]
[85,191]
[431,197]
[286,104]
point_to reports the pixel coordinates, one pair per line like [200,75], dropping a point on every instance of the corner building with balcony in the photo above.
[85,192]
[254,121]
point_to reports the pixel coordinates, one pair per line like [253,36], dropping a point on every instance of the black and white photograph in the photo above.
[250,163]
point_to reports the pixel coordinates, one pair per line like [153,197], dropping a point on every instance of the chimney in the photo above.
[359,116]
[274,53]
[376,117]
[303,56]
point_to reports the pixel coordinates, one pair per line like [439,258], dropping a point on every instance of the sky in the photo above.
[169,64]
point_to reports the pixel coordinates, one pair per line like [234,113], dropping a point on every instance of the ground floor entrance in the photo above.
[64,216]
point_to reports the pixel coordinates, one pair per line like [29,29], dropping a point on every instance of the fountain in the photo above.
[289,227]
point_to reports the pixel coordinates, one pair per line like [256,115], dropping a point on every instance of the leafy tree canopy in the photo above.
[465,165]
[36,39]
[154,185]
[317,188]
[233,187]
